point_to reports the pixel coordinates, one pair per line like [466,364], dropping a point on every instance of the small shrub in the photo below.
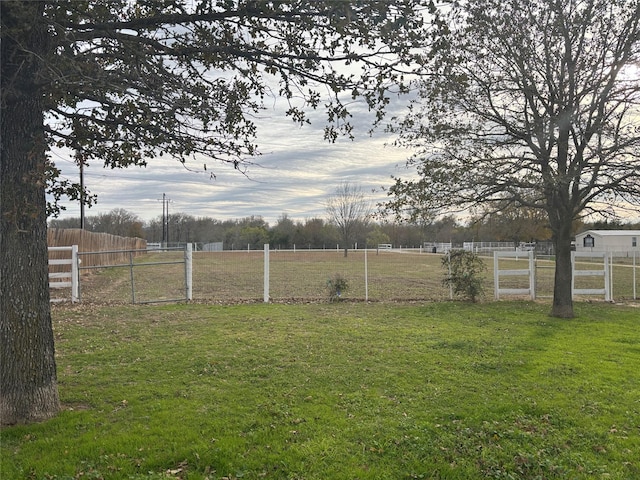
[336,286]
[463,273]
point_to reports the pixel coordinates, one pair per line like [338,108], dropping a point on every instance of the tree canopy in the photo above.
[123,82]
[532,104]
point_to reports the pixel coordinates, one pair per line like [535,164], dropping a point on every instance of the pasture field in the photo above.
[349,390]
[228,277]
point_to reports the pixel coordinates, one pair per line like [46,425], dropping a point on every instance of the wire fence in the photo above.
[137,277]
[303,276]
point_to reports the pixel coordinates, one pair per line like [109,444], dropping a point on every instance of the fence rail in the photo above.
[603,271]
[302,275]
[63,273]
[529,274]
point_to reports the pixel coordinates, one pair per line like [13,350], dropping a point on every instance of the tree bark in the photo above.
[562,294]
[28,384]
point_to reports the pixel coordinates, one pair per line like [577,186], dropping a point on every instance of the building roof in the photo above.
[612,233]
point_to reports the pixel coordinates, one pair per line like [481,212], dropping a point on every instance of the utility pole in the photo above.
[165,220]
[80,161]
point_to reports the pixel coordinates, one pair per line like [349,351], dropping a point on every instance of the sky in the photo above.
[295,175]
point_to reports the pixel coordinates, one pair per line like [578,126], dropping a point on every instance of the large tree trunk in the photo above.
[562,294]
[28,386]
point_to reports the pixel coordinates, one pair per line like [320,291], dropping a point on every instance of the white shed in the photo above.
[608,241]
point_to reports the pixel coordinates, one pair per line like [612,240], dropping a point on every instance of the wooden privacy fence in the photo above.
[95,242]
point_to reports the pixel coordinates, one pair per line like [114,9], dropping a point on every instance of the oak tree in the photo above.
[123,82]
[529,104]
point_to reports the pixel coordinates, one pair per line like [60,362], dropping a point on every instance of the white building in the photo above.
[608,241]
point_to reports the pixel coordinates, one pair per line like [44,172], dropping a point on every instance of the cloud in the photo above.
[295,174]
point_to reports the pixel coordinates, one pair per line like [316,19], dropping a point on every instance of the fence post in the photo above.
[133,288]
[450,282]
[366,276]
[266,273]
[532,275]
[634,276]
[188,271]
[608,275]
[496,280]
[75,276]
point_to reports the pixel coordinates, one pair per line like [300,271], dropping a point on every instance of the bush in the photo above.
[463,273]
[336,286]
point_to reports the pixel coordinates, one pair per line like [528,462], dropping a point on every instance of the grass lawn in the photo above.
[338,391]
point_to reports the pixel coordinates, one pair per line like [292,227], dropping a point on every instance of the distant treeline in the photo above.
[506,226]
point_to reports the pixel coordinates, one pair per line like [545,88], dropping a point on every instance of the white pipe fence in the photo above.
[68,278]
[528,273]
[285,275]
[604,272]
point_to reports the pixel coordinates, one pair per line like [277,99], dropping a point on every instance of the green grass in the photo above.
[338,391]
